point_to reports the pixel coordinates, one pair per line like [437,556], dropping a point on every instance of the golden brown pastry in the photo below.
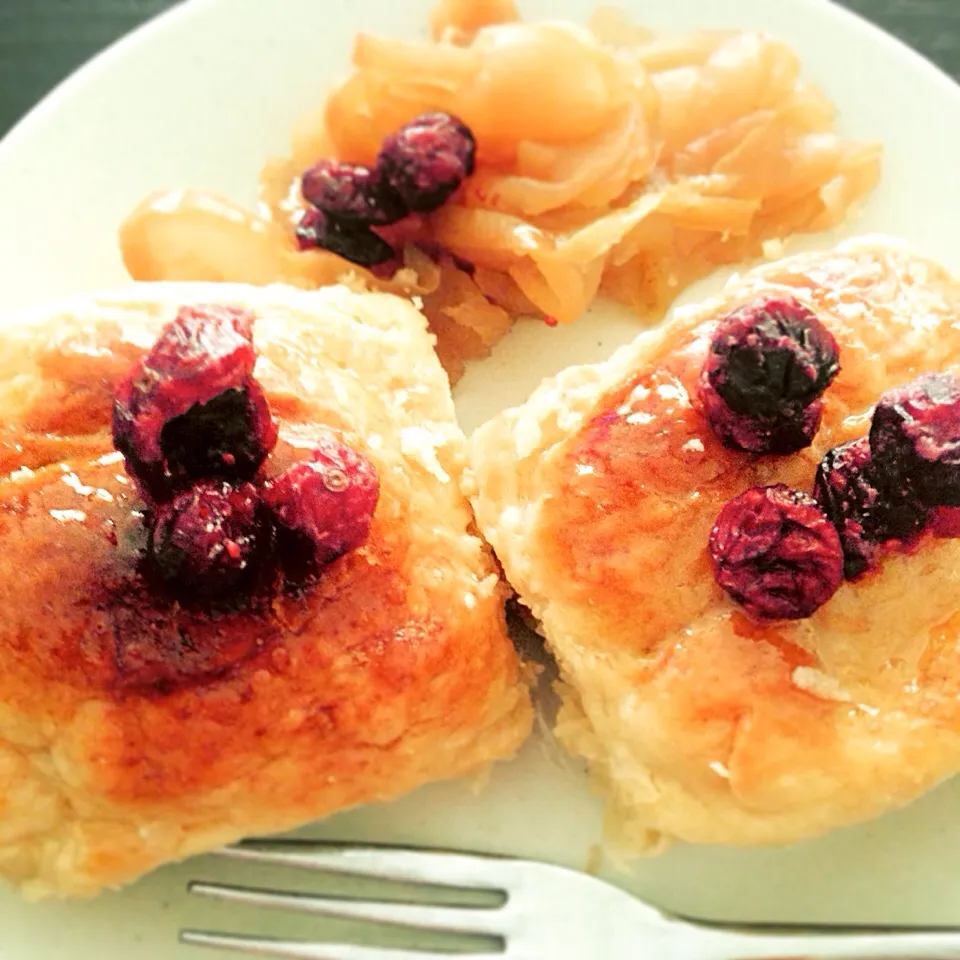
[135,731]
[700,721]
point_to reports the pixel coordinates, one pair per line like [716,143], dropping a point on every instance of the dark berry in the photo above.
[769,361]
[915,437]
[353,242]
[426,160]
[775,552]
[771,356]
[191,408]
[210,539]
[866,509]
[323,506]
[351,193]
[777,433]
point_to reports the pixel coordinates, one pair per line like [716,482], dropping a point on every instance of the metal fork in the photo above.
[543,912]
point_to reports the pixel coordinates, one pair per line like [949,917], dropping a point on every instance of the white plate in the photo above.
[201,97]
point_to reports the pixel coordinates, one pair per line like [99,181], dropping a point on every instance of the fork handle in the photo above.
[931,945]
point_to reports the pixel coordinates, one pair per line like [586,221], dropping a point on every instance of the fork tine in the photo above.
[291,950]
[467,920]
[440,868]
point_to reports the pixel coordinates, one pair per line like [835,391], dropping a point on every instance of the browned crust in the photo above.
[704,724]
[395,670]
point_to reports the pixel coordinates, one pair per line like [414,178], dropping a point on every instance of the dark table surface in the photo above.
[41,41]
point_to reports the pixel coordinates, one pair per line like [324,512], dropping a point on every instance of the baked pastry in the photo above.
[700,721]
[136,730]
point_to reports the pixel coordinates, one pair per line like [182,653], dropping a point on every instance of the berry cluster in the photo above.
[194,427]
[779,552]
[418,168]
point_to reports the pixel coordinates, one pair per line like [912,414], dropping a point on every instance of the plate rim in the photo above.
[22,137]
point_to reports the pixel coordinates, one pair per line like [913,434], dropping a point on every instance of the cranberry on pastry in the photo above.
[237,643]
[749,697]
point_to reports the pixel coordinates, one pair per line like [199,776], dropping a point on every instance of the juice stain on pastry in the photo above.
[247,644]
